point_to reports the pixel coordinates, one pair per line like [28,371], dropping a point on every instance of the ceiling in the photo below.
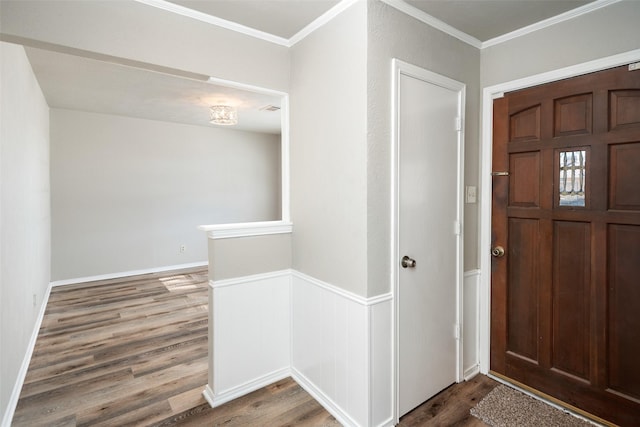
[78,83]
[482,19]
[282,18]
[487,19]
[84,84]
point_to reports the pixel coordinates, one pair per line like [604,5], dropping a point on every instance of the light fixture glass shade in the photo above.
[223,115]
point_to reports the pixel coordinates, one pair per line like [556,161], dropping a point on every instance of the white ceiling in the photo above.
[85,84]
[487,19]
[282,18]
[481,19]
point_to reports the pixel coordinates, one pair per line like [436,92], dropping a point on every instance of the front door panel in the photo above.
[566,295]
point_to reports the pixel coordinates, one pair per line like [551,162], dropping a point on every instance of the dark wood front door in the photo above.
[565,299]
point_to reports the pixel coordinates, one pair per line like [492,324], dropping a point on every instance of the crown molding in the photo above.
[433,22]
[400,5]
[566,16]
[424,17]
[252,32]
[210,19]
[321,20]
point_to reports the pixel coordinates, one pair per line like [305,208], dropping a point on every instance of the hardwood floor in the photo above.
[451,406]
[133,351]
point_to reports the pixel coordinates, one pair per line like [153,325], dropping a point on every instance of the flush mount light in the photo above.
[223,115]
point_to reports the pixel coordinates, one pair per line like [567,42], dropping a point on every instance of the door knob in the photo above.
[497,252]
[408,262]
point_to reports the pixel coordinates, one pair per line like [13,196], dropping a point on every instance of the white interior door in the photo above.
[429,146]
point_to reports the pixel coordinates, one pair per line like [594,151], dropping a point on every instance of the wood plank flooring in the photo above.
[451,406]
[133,351]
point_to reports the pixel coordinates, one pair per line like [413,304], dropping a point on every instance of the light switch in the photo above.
[470,194]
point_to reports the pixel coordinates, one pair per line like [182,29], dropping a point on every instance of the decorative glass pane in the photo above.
[572,178]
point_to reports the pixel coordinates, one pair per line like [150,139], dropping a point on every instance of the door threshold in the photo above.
[550,400]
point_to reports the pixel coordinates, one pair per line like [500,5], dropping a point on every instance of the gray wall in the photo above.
[602,33]
[25,248]
[340,103]
[130,31]
[245,256]
[135,31]
[329,152]
[393,34]
[126,192]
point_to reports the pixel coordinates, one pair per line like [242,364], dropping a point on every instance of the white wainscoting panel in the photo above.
[251,334]
[335,356]
[381,369]
[336,345]
[470,327]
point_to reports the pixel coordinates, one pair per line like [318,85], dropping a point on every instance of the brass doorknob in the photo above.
[497,252]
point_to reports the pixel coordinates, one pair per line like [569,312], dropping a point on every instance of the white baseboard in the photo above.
[246,388]
[386,423]
[471,372]
[22,373]
[207,393]
[128,273]
[324,400]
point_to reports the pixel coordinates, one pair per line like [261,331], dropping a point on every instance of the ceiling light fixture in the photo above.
[223,115]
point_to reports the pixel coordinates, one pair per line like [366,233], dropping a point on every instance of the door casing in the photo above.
[488,95]
[402,68]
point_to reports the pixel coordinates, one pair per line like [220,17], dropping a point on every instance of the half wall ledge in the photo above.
[246,229]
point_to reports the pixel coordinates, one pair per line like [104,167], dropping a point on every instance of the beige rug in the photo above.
[506,407]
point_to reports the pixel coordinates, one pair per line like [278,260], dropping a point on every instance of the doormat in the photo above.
[506,407]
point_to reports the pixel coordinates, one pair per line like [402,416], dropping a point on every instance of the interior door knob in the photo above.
[498,252]
[408,262]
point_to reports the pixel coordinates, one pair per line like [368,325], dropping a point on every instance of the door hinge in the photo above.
[457,228]
[456,331]
[458,124]
[634,67]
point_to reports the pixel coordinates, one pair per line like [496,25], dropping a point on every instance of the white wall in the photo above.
[25,249]
[329,152]
[126,192]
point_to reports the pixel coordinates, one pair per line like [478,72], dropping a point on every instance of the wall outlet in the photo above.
[183,248]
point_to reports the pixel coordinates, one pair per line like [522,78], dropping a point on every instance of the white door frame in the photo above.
[488,95]
[402,68]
